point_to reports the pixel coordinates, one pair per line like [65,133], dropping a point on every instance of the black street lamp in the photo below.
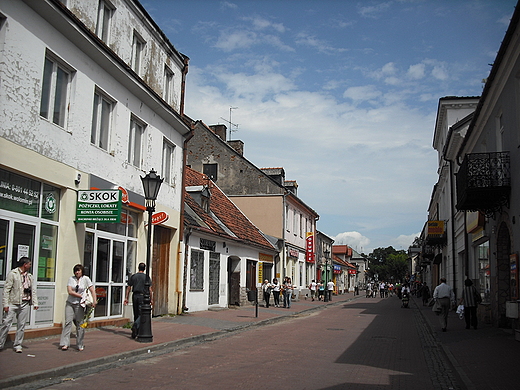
[151,184]
[326,297]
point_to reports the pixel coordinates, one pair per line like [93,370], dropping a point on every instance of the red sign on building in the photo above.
[309,247]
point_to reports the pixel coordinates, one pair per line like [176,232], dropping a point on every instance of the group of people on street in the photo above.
[443,294]
[470,299]
[317,290]
[20,294]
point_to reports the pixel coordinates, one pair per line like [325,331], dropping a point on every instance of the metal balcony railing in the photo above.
[484,182]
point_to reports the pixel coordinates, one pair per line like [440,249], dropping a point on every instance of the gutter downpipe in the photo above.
[284,229]
[181,227]
[452,210]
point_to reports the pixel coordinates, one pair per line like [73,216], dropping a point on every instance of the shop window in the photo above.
[88,254]
[19,194]
[50,203]
[482,252]
[47,257]
[4,230]
[197,270]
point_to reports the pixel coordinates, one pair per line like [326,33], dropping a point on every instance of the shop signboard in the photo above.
[98,206]
[309,247]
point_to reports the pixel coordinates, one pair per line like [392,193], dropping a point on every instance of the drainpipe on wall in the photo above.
[284,229]
[183,85]
[185,271]
[181,227]
[452,212]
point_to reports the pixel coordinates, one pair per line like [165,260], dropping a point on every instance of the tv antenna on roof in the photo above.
[231,124]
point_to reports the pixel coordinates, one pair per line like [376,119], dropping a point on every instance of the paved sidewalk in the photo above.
[481,359]
[486,358]
[43,359]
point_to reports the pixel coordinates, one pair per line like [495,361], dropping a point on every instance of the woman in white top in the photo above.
[266,289]
[74,308]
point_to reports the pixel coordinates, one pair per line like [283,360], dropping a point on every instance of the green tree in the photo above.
[388,264]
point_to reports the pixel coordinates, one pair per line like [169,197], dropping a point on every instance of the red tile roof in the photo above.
[236,226]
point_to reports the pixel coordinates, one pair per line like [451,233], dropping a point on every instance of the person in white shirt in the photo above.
[313,286]
[330,288]
[445,296]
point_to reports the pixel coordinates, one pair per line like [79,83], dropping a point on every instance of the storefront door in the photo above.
[109,276]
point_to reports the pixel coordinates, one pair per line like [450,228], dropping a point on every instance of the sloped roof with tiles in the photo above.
[223,218]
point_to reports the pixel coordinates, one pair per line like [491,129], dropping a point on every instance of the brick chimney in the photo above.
[277,174]
[237,145]
[219,130]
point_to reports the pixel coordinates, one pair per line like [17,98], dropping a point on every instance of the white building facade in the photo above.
[91,98]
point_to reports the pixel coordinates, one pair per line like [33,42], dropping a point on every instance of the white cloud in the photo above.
[416,72]
[362,93]
[403,241]
[236,40]
[353,239]
[227,4]
[374,11]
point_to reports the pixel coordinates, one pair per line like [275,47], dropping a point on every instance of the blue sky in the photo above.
[342,94]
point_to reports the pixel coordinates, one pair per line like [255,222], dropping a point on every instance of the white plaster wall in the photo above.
[21,74]
[198,300]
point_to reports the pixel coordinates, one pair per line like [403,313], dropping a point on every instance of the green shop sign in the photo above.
[99,206]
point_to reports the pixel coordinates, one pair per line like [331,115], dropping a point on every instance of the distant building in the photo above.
[225,254]
[263,194]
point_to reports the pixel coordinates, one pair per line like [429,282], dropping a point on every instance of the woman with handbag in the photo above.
[470,299]
[78,288]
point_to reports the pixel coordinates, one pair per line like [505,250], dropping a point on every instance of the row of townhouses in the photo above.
[472,229]
[91,99]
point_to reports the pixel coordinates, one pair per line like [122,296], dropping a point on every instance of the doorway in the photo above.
[160,269]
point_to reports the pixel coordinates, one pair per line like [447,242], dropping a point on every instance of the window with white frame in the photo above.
[168,85]
[105,10]
[167,162]
[135,142]
[137,52]
[101,116]
[55,89]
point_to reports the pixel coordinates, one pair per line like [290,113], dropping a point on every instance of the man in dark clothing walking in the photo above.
[136,283]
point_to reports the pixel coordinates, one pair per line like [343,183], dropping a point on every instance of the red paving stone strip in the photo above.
[42,358]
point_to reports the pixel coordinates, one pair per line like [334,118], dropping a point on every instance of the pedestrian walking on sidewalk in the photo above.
[77,287]
[19,295]
[287,292]
[470,299]
[312,287]
[266,290]
[321,291]
[137,283]
[276,292]
[446,298]
[330,289]
[425,294]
